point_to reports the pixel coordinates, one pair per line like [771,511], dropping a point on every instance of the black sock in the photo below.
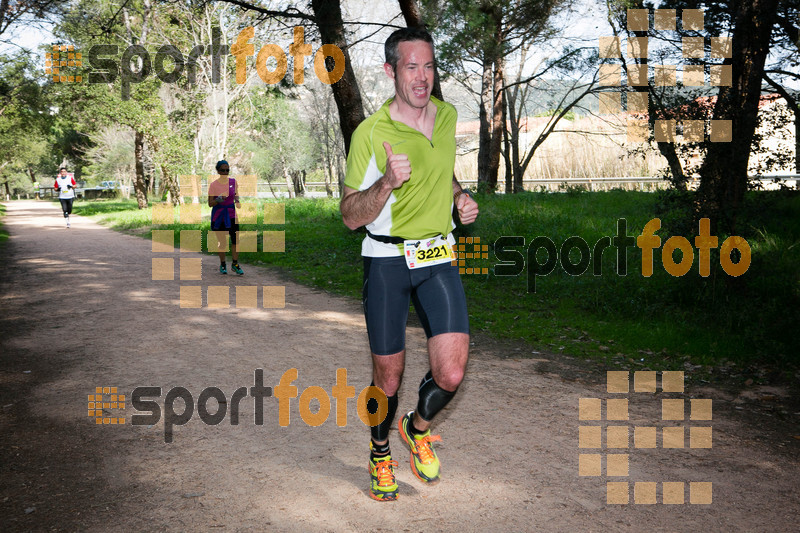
[411,428]
[380,450]
[223,264]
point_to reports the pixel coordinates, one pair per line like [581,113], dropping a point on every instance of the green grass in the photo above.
[657,322]
[703,320]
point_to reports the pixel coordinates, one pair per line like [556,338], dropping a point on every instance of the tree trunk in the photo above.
[299,182]
[173,187]
[507,150]
[723,174]
[515,155]
[139,184]
[410,10]
[484,133]
[149,167]
[289,182]
[679,179]
[328,17]
[498,103]
[513,135]
[340,173]
[512,96]
[326,154]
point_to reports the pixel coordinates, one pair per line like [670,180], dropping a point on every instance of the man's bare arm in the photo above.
[456,186]
[359,208]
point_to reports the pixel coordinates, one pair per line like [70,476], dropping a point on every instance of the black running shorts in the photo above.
[389,286]
[232,231]
[224,223]
[66,205]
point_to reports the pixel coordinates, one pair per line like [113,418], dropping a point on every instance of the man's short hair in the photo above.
[62,168]
[404,35]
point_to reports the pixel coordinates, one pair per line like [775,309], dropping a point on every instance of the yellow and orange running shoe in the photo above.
[424,462]
[383,486]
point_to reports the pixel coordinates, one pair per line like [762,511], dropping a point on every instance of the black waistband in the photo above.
[386,239]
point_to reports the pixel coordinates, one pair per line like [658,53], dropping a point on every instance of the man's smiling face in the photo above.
[413,77]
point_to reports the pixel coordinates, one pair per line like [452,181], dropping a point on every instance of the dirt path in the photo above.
[80,310]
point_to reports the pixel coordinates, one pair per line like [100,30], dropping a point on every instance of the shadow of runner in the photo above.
[358,477]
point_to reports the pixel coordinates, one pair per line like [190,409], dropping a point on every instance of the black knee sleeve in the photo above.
[381,431]
[432,398]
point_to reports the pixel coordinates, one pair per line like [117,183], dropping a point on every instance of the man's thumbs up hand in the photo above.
[398,168]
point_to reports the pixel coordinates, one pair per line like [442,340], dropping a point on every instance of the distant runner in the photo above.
[400,185]
[223,198]
[65,185]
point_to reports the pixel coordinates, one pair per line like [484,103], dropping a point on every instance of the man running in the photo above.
[400,185]
[65,185]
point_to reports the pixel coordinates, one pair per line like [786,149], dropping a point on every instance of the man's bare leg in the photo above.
[387,373]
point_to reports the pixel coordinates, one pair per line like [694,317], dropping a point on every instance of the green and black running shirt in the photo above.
[422,207]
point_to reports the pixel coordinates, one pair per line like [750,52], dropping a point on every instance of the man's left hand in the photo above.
[467,208]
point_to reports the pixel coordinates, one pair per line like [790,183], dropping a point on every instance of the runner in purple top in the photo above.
[223,198]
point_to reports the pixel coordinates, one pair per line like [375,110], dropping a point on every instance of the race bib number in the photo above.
[427,252]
